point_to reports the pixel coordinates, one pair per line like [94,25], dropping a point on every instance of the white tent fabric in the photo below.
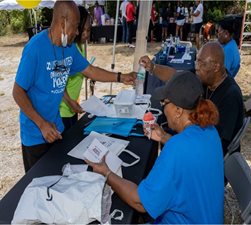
[142,31]
[10,5]
[13,5]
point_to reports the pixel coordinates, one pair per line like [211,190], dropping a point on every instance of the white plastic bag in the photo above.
[61,199]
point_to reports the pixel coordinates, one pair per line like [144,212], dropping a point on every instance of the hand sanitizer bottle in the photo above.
[140,80]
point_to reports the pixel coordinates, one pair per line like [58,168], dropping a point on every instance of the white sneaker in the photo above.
[131,46]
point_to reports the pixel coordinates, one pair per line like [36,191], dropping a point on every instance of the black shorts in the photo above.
[31,154]
[197,27]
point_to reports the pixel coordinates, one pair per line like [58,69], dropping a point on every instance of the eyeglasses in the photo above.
[163,103]
[60,68]
[199,62]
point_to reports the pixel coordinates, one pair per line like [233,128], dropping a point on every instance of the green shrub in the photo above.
[4,22]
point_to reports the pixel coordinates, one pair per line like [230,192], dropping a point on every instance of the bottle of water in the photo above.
[139,88]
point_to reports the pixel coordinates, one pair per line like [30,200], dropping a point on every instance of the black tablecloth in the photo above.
[107,31]
[152,82]
[52,163]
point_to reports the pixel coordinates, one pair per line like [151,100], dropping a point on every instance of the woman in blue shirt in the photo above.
[186,183]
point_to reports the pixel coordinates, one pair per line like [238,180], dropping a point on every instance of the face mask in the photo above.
[64,37]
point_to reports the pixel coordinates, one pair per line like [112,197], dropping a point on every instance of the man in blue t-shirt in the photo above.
[47,61]
[231,51]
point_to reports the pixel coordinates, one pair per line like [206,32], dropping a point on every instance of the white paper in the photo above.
[143,99]
[177,61]
[95,152]
[114,145]
[95,106]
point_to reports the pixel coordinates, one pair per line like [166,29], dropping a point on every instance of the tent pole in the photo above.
[35,19]
[142,31]
[114,42]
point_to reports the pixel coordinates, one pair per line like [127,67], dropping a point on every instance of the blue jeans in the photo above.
[124,25]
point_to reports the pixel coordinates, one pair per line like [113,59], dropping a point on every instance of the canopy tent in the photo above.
[13,4]
[142,29]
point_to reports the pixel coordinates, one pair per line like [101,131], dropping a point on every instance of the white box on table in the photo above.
[124,102]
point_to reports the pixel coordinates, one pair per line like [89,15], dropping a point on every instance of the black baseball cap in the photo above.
[184,89]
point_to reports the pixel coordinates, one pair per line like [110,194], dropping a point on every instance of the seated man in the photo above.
[218,87]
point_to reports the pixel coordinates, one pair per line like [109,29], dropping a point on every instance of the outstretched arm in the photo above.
[125,189]
[164,73]
[98,74]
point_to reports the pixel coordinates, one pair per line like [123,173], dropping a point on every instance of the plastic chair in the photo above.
[238,174]
[237,139]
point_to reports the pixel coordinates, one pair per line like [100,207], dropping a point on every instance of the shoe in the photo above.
[131,46]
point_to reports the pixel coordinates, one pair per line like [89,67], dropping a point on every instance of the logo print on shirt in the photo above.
[59,73]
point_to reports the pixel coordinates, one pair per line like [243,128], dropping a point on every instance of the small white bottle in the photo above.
[139,88]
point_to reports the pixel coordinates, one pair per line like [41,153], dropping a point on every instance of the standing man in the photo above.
[123,16]
[130,15]
[47,61]
[198,21]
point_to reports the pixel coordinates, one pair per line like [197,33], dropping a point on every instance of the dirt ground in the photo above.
[11,166]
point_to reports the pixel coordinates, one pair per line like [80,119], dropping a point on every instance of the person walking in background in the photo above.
[232,55]
[165,22]
[153,20]
[130,16]
[69,107]
[123,16]
[198,21]
[98,12]
[186,183]
[180,20]
[48,59]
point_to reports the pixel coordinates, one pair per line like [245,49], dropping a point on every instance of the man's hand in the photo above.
[128,78]
[147,63]
[50,132]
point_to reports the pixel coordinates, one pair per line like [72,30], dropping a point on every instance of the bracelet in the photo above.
[152,70]
[108,174]
[119,77]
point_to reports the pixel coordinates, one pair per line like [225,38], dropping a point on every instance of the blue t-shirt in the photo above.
[232,58]
[45,82]
[186,183]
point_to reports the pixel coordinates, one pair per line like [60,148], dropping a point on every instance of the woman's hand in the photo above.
[100,168]
[157,133]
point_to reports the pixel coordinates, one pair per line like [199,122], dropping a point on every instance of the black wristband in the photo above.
[119,77]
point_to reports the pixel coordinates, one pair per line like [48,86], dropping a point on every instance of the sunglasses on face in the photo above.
[163,103]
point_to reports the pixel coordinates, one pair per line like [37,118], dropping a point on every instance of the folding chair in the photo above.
[237,139]
[238,174]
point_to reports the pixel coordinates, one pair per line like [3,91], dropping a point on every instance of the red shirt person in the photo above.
[130,16]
